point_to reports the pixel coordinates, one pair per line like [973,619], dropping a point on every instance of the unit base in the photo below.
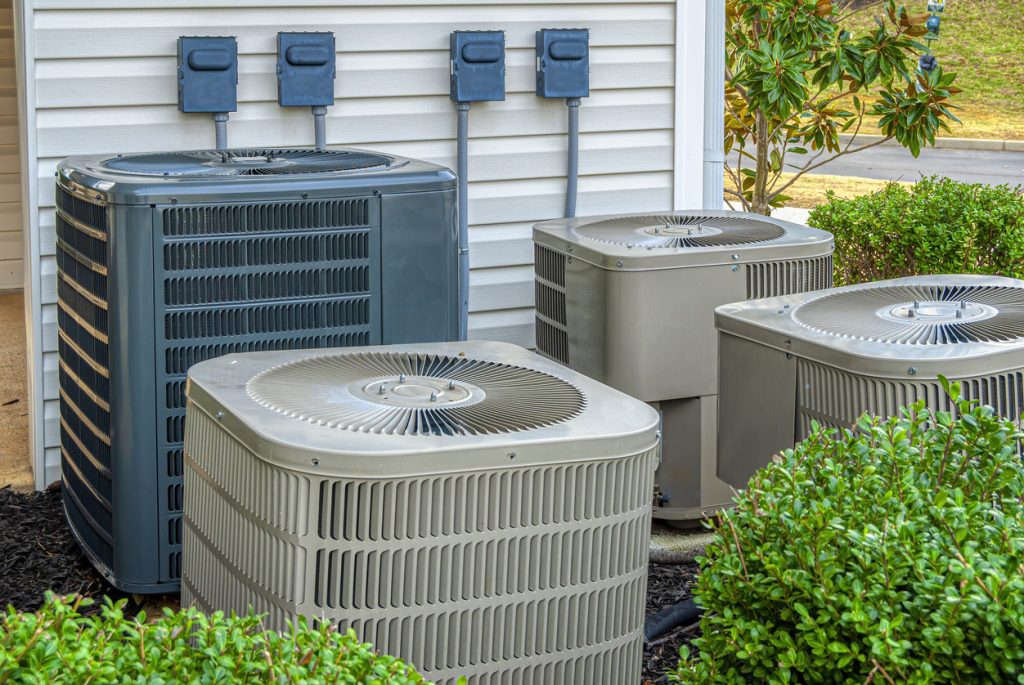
[108,573]
[687,489]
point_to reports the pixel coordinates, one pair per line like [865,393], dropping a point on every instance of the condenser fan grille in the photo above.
[919,315]
[246,162]
[416,394]
[679,230]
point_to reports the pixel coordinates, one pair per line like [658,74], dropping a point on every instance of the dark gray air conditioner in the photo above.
[168,259]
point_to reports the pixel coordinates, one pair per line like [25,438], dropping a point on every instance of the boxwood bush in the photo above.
[936,226]
[59,645]
[890,554]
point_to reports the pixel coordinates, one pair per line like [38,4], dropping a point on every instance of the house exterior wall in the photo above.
[11,273]
[99,77]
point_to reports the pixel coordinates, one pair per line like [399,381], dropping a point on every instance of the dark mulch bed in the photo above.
[37,553]
[667,584]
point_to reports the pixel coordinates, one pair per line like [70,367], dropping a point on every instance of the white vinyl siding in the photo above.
[105,75]
[10,163]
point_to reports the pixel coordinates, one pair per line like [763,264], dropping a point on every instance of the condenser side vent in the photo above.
[248,277]
[178,359]
[601,489]
[275,216]
[773,279]
[83,373]
[836,398]
[552,329]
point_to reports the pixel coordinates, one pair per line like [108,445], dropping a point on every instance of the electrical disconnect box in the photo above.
[207,74]
[477,66]
[563,63]
[305,69]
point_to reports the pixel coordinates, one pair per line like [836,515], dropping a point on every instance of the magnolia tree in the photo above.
[797,78]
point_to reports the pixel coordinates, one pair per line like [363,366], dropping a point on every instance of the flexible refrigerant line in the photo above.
[681,614]
[462,169]
[572,175]
[320,127]
[220,127]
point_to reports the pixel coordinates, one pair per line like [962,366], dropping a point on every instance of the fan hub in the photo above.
[682,231]
[422,392]
[252,161]
[937,312]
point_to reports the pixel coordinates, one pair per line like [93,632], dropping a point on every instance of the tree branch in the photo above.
[846,151]
[735,177]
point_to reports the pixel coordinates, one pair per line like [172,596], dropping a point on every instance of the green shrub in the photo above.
[893,554]
[58,645]
[937,226]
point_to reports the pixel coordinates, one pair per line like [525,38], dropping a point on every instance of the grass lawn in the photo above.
[983,42]
[809,191]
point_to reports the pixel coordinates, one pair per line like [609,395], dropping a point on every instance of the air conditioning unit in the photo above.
[831,356]
[168,259]
[470,507]
[630,301]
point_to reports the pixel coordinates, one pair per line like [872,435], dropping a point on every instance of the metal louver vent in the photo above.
[919,314]
[245,162]
[416,394]
[679,230]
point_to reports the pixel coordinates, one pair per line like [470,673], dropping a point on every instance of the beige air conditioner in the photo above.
[470,507]
[630,300]
[831,356]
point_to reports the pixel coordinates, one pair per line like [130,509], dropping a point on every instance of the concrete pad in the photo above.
[794,214]
[677,545]
[15,469]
